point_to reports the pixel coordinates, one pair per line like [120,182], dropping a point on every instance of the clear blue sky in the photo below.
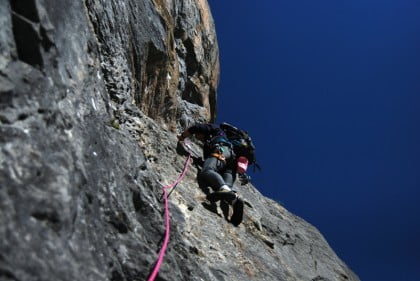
[330,92]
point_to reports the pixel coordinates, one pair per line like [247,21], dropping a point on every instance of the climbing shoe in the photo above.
[225,187]
[222,194]
[238,211]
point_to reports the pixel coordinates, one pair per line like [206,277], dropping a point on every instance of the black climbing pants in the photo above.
[216,172]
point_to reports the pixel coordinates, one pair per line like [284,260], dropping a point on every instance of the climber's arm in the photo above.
[197,129]
[185,134]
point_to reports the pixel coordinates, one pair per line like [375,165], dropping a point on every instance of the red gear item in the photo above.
[242,164]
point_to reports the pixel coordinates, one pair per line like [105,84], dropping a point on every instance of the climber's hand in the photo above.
[180,137]
[185,134]
[244,178]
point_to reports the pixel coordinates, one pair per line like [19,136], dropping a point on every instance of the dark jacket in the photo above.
[213,135]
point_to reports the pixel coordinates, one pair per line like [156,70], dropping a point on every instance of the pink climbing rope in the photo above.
[167,221]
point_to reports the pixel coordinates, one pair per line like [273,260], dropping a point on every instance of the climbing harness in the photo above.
[219,153]
[219,156]
[167,219]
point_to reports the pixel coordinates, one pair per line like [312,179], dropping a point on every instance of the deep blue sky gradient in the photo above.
[330,92]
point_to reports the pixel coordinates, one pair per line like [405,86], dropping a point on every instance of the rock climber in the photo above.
[220,166]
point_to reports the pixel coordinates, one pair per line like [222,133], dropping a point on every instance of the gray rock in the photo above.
[91,95]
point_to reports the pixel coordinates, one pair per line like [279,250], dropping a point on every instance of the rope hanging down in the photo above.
[167,220]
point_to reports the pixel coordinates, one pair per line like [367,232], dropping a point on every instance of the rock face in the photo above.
[91,95]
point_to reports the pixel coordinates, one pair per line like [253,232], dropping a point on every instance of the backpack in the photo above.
[241,142]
